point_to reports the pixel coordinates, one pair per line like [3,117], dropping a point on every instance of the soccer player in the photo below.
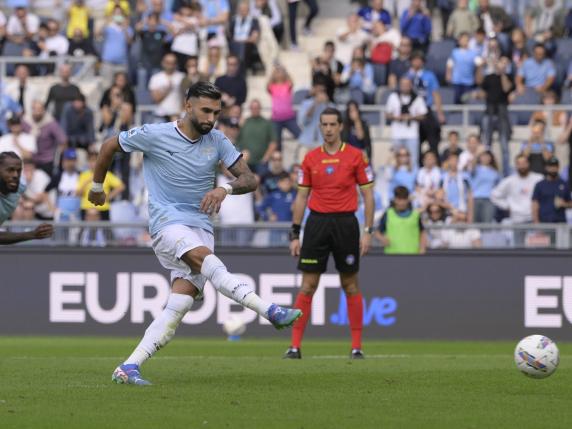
[327,183]
[180,162]
[11,188]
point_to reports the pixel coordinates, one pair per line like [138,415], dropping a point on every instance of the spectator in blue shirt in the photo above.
[117,36]
[216,14]
[359,77]
[416,24]
[403,173]
[277,205]
[372,13]
[551,196]
[8,107]
[426,85]
[537,72]
[484,177]
[456,192]
[309,116]
[461,68]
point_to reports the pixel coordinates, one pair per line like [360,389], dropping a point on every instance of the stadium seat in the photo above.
[143,96]
[437,56]
[447,95]
[566,96]
[530,96]
[476,117]
[382,95]
[448,98]
[300,95]
[564,50]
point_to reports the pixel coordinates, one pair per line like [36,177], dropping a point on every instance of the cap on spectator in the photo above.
[70,154]
[552,161]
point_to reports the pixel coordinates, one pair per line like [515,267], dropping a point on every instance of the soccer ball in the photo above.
[537,356]
[234,327]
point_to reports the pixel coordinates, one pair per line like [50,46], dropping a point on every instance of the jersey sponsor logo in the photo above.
[330,161]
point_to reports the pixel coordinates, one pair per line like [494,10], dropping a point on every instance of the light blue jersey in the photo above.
[178,171]
[8,203]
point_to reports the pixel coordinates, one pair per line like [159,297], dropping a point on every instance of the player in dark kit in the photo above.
[327,183]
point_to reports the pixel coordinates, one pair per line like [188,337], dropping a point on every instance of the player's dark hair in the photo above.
[332,111]
[8,155]
[401,192]
[204,89]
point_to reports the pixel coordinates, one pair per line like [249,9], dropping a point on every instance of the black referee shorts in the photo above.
[337,233]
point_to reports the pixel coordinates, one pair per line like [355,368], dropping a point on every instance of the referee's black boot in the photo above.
[292,353]
[357,354]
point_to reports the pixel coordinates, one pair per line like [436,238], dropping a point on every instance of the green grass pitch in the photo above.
[198,383]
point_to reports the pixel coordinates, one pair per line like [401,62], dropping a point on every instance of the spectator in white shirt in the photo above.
[405,110]
[514,193]
[37,182]
[165,89]
[22,26]
[51,41]
[349,38]
[428,180]
[23,144]
[474,147]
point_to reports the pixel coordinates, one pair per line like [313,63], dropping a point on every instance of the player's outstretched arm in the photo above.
[43,231]
[108,149]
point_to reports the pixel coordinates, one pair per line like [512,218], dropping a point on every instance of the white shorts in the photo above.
[174,241]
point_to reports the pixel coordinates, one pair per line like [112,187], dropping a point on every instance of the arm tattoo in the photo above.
[245,180]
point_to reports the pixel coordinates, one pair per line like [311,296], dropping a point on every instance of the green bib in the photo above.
[403,233]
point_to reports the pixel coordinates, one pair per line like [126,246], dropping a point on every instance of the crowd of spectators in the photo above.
[494,53]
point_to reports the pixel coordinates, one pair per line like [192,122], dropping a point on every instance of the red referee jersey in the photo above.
[333,178]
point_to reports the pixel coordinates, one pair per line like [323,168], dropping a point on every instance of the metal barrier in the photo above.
[464,109]
[87,63]
[268,235]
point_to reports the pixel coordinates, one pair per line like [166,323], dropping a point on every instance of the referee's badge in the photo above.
[350,259]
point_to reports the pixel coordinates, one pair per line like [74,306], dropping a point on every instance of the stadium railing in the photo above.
[86,64]
[265,235]
[462,116]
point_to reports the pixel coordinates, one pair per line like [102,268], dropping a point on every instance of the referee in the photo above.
[327,184]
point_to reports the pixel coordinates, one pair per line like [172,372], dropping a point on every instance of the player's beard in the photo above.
[201,128]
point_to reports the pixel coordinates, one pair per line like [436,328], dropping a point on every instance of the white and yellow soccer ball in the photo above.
[234,327]
[537,356]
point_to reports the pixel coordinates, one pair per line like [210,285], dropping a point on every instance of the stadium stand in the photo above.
[249,28]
